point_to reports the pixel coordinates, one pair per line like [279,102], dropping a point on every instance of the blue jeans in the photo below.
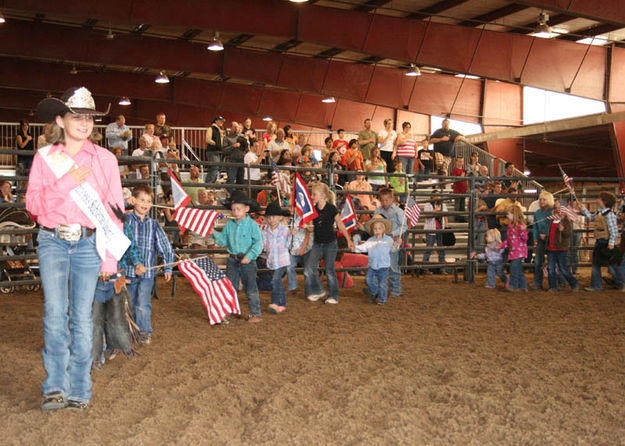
[140,291]
[539,262]
[235,174]
[574,251]
[213,171]
[103,292]
[430,239]
[278,294]
[559,259]
[290,270]
[517,278]
[237,271]
[311,270]
[407,164]
[394,274]
[376,281]
[69,274]
[494,269]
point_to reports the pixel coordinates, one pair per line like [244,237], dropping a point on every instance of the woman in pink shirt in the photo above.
[69,263]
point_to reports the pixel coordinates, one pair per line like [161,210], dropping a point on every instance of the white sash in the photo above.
[108,235]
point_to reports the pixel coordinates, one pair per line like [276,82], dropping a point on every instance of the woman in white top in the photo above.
[376,164]
[387,139]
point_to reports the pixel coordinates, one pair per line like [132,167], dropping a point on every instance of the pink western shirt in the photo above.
[48,200]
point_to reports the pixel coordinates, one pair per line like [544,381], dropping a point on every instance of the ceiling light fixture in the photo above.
[530,191]
[466,76]
[328,100]
[526,173]
[161,78]
[124,101]
[109,34]
[413,71]
[543,30]
[73,70]
[216,44]
[267,118]
[298,1]
[2,19]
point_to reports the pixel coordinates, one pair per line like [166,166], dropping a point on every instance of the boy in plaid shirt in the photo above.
[275,237]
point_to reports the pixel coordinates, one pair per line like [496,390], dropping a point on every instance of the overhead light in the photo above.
[31,113]
[110,35]
[329,100]
[413,71]
[161,78]
[596,40]
[526,173]
[530,191]
[2,19]
[543,30]
[466,76]
[298,1]
[216,44]
[267,118]
[124,101]
[73,70]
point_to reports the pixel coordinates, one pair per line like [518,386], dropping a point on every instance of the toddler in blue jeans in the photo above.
[275,236]
[151,241]
[242,238]
[494,255]
[378,247]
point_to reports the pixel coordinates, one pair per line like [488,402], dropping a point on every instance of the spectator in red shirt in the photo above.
[459,187]
[340,145]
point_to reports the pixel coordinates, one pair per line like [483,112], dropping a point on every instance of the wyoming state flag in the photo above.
[302,202]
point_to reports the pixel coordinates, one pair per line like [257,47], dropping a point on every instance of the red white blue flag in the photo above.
[348,216]
[302,201]
[567,180]
[218,295]
[181,198]
[200,221]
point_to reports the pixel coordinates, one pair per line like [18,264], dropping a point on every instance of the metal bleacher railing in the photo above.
[421,187]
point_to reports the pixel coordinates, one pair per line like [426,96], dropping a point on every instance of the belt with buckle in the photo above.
[237,256]
[70,233]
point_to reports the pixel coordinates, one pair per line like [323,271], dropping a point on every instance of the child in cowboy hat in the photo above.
[378,247]
[275,235]
[242,238]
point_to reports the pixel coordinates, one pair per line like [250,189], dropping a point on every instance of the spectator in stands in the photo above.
[249,133]
[162,130]
[118,134]
[367,139]
[270,134]
[297,150]
[444,140]
[149,141]
[376,164]
[325,151]
[6,196]
[360,184]
[479,225]
[252,158]
[509,183]
[459,187]
[290,137]
[435,222]
[307,156]
[340,144]
[606,234]
[42,140]
[398,183]
[541,229]
[473,167]
[214,144]
[482,179]
[334,162]
[173,154]
[124,170]
[24,142]
[406,149]
[285,158]
[144,172]
[353,158]
[516,242]
[491,201]
[425,158]
[194,177]
[387,138]
[278,144]
[234,150]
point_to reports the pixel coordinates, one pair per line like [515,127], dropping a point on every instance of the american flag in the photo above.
[200,221]
[566,178]
[181,198]
[278,180]
[564,210]
[412,212]
[218,295]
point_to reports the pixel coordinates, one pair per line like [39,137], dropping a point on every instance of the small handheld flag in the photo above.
[412,212]
[181,198]
[200,221]
[302,201]
[567,180]
[348,216]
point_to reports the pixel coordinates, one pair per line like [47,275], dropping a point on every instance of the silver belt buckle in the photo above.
[70,233]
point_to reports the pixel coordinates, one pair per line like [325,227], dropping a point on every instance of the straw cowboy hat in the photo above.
[388,226]
[274,208]
[241,198]
[76,100]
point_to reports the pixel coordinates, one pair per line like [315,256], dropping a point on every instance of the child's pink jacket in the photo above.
[516,242]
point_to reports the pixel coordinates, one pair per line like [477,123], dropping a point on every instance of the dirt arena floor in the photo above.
[445,364]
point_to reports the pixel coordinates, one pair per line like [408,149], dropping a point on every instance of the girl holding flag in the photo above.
[325,245]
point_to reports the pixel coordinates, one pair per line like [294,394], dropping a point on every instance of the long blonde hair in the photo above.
[325,190]
[517,215]
[495,234]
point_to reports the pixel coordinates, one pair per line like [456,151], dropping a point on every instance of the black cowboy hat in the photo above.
[274,208]
[239,197]
[75,100]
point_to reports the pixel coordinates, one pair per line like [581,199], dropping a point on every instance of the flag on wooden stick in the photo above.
[412,212]
[215,289]
[180,196]
[200,221]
